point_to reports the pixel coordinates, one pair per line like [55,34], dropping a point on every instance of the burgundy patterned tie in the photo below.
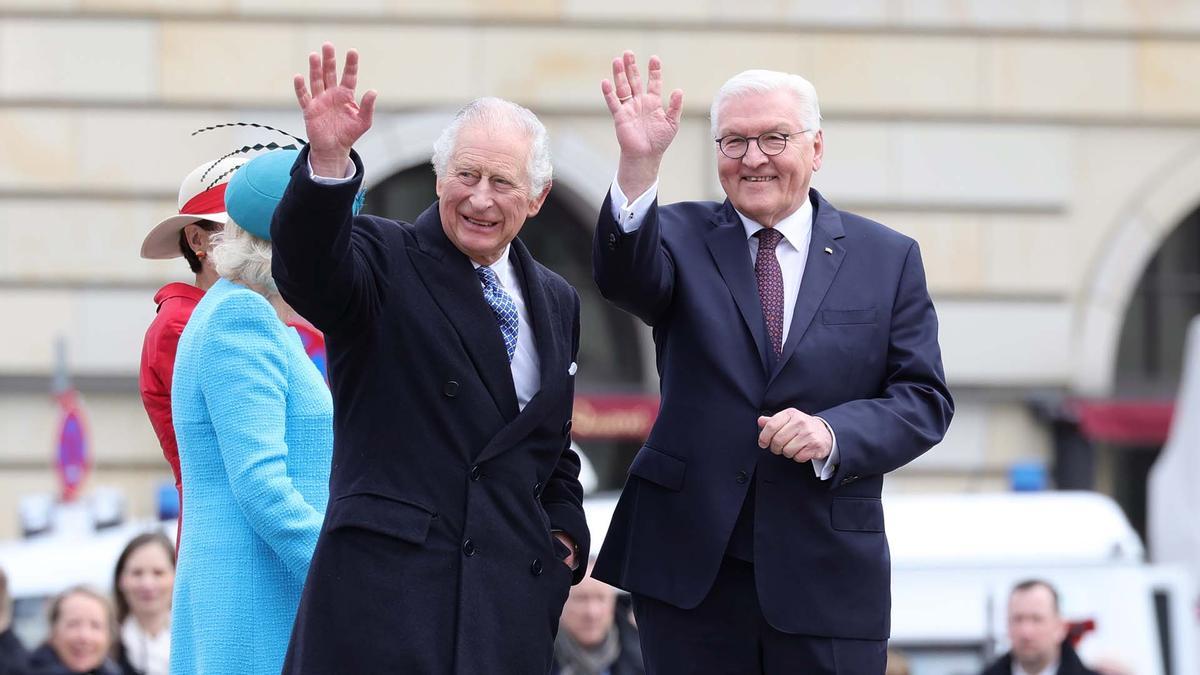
[770,285]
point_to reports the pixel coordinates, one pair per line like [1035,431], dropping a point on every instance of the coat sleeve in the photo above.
[245,388]
[328,263]
[633,270]
[914,407]
[563,495]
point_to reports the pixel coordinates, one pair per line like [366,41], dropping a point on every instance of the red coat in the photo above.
[175,304]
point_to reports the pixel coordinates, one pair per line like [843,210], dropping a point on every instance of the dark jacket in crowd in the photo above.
[13,655]
[630,660]
[44,661]
[1068,664]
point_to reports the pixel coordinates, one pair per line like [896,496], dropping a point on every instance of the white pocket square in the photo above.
[574,367]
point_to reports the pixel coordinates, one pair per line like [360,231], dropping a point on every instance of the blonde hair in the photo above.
[110,614]
[243,258]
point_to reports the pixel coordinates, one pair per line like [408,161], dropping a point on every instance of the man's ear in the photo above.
[536,204]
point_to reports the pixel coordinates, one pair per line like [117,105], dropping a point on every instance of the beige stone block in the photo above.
[636,10]
[1031,254]
[859,163]
[1139,15]
[1055,77]
[109,60]
[45,315]
[396,61]
[41,147]
[43,5]
[952,247]
[1041,14]
[1169,78]
[825,12]
[561,67]
[341,8]
[989,166]
[898,74]
[1016,343]
[158,6]
[699,63]
[215,62]
[507,9]
[82,241]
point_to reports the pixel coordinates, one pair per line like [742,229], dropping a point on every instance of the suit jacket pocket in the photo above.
[847,316]
[659,468]
[390,517]
[856,514]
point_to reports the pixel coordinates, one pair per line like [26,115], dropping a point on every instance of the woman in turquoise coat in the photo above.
[254,422]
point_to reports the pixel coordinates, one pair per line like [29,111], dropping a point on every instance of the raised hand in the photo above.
[334,121]
[644,128]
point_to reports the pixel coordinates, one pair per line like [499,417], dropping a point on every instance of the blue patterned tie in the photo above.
[502,306]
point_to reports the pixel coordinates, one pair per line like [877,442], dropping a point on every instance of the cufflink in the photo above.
[574,367]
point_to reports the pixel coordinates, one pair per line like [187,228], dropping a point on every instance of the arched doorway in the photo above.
[610,352]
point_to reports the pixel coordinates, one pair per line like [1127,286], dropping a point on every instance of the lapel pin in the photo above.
[829,250]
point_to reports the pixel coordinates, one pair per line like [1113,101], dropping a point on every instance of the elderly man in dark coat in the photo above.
[455,514]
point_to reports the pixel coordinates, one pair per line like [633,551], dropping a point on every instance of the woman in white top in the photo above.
[142,586]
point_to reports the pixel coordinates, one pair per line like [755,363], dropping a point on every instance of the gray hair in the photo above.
[764,82]
[493,112]
[243,258]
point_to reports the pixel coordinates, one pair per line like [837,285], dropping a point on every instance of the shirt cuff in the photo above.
[827,466]
[630,216]
[325,180]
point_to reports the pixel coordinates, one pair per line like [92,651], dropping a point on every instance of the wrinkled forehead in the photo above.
[754,112]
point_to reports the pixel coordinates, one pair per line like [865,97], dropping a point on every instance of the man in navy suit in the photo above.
[799,362]
[449,544]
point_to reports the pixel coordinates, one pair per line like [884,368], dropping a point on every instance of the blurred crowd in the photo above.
[127,631]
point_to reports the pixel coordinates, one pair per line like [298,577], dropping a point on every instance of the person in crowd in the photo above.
[187,233]
[82,630]
[455,515]
[594,634]
[254,421]
[142,585]
[798,351]
[1038,634]
[13,654]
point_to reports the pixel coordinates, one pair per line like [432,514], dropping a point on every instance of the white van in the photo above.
[955,557]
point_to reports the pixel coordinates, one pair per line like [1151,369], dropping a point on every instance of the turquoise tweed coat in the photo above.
[254,421]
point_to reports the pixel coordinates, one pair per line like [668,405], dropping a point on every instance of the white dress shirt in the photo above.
[525,366]
[148,654]
[792,253]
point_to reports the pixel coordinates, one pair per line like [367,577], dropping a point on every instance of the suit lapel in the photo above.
[450,278]
[819,271]
[727,244]
[546,317]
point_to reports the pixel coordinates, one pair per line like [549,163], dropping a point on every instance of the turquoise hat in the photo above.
[256,188]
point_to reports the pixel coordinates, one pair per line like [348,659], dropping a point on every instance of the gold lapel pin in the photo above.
[829,250]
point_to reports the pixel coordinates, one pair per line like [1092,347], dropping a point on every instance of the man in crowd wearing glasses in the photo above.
[799,360]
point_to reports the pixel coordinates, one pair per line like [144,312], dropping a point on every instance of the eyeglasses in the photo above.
[771,143]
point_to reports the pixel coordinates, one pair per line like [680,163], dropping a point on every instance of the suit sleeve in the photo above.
[633,270]
[245,389]
[328,263]
[913,411]
[563,495]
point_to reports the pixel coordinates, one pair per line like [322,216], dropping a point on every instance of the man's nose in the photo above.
[754,155]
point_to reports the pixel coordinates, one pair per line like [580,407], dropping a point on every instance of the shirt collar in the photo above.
[794,228]
[502,267]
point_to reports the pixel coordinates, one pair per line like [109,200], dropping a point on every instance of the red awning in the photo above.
[1124,422]
[622,416]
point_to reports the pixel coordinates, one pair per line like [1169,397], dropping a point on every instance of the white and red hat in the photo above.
[201,197]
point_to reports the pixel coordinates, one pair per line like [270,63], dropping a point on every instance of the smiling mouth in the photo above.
[479,223]
[759,179]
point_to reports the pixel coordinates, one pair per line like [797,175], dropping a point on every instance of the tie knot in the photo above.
[487,275]
[768,238]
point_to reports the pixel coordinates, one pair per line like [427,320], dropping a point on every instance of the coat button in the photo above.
[536,567]
[742,476]
[468,548]
[537,489]
[476,472]
[450,389]
[567,428]
[612,242]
